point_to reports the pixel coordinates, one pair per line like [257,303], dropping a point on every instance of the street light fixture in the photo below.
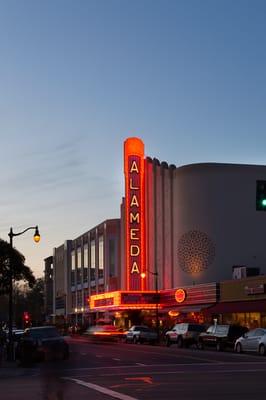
[11,234]
[143,276]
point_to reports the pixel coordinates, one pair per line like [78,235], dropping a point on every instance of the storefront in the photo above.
[187,304]
[242,302]
[127,308]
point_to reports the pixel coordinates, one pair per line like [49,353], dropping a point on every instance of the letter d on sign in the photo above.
[134,250]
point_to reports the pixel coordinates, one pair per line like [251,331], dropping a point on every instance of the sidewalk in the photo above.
[10,369]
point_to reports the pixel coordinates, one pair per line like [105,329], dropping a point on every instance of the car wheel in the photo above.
[168,341]
[179,342]
[262,350]
[219,346]
[238,348]
[200,345]
[135,340]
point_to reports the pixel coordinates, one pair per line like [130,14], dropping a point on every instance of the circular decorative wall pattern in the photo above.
[196,252]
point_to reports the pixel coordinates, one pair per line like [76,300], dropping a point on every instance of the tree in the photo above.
[12,257]
[34,299]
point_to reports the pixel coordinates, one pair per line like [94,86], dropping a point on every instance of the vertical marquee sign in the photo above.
[134,213]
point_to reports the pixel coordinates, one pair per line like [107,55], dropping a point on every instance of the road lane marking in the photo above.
[165,353]
[183,372]
[102,389]
[164,365]
[116,359]
[141,365]
[145,379]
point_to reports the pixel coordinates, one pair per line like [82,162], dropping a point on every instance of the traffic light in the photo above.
[26,318]
[261,196]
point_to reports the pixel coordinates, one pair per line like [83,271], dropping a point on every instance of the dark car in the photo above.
[41,343]
[141,334]
[184,334]
[221,337]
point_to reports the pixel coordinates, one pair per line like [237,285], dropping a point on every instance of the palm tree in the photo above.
[12,267]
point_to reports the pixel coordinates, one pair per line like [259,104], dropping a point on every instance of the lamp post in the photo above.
[11,234]
[143,275]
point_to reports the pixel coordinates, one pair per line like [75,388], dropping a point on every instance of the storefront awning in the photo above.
[189,308]
[197,308]
[238,306]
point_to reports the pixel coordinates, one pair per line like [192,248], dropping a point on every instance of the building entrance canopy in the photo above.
[122,300]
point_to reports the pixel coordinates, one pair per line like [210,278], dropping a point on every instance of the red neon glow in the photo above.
[134,213]
[115,333]
[180,295]
[122,300]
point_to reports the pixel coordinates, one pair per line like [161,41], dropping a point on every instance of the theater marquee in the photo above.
[134,213]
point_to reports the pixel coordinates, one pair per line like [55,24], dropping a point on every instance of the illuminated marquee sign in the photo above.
[138,298]
[134,213]
[124,300]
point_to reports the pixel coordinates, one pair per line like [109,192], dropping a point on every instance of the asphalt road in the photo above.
[130,372]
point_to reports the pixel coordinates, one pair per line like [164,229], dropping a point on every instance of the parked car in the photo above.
[184,334]
[254,340]
[104,333]
[141,334]
[41,343]
[220,336]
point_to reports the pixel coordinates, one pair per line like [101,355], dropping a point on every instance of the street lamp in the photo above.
[36,238]
[143,276]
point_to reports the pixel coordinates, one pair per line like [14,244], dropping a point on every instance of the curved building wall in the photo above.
[216,225]
[201,221]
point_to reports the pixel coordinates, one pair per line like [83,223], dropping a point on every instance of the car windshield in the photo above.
[42,333]
[196,328]
[222,329]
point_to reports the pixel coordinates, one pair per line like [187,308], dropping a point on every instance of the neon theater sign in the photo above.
[134,213]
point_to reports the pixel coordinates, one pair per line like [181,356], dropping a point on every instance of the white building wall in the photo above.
[219,201]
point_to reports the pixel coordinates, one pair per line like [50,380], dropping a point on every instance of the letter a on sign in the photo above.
[134,167]
[135,268]
[134,201]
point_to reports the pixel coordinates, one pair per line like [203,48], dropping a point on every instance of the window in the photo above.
[101,259]
[112,257]
[86,297]
[79,265]
[222,329]
[196,328]
[73,266]
[92,260]
[260,332]
[86,263]
[211,329]
[79,298]
[73,300]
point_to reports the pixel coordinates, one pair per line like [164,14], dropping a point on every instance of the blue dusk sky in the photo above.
[79,77]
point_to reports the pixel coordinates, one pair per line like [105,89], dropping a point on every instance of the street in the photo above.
[128,372]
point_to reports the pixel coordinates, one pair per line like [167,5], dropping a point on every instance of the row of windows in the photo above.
[76,261]
[77,277]
[76,299]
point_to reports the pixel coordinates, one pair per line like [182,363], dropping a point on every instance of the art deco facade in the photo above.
[180,228]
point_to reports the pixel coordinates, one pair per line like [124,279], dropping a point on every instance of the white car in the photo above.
[254,340]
